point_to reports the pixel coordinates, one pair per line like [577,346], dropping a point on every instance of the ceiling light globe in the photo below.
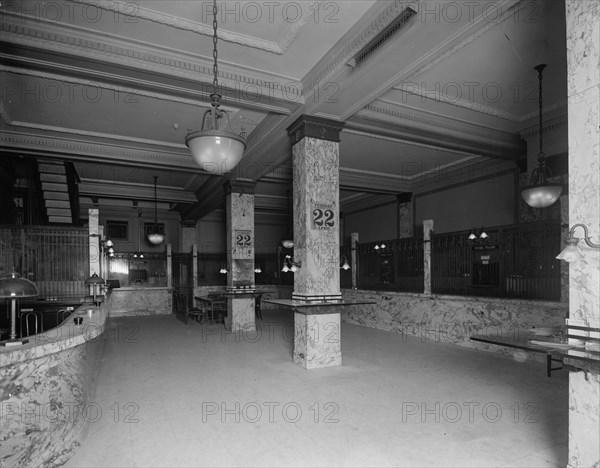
[216,151]
[156,238]
[541,196]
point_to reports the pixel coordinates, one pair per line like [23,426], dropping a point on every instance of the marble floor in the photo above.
[180,395]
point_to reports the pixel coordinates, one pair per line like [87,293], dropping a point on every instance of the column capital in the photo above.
[245,186]
[315,127]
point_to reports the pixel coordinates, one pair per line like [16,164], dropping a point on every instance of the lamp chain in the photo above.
[541,131]
[215,53]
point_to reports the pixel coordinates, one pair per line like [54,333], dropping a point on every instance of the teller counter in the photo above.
[47,389]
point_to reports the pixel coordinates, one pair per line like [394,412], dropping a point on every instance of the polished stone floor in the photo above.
[179,395]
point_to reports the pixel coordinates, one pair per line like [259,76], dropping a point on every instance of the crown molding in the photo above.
[138,12]
[366,181]
[409,88]
[133,191]
[131,53]
[100,152]
[548,126]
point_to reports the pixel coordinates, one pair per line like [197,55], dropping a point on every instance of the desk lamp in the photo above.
[93,281]
[14,287]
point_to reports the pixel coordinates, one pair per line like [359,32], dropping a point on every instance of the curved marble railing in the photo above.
[47,388]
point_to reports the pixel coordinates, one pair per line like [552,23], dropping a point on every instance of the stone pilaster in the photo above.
[94,244]
[583,89]
[427,228]
[239,203]
[169,266]
[354,259]
[405,216]
[188,235]
[194,265]
[315,150]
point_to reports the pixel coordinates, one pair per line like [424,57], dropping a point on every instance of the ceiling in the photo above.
[115,86]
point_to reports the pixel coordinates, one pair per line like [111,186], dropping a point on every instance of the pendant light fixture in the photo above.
[138,254]
[540,193]
[214,149]
[155,237]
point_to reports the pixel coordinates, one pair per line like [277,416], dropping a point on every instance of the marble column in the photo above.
[315,152]
[583,72]
[194,265]
[94,244]
[169,266]
[354,258]
[405,216]
[427,228]
[239,203]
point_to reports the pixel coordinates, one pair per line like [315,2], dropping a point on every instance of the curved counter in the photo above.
[47,390]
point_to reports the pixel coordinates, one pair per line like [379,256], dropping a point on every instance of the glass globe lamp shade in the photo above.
[156,238]
[542,195]
[287,243]
[570,253]
[215,151]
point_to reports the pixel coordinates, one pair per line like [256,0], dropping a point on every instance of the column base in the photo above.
[317,340]
[240,314]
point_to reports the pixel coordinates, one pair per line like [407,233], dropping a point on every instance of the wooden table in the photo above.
[211,302]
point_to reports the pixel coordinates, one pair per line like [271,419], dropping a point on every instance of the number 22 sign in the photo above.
[323,217]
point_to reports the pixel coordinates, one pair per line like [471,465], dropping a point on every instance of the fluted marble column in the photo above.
[239,202]
[583,58]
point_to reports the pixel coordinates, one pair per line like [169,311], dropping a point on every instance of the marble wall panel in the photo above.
[140,301]
[451,319]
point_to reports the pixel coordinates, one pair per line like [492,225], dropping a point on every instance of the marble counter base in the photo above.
[140,301]
[47,391]
[240,314]
[317,340]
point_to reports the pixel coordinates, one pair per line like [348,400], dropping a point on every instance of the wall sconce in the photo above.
[344,263]
[223,270]
[290,265]
[571,253]
[258,269]
[379,246]
[478,235]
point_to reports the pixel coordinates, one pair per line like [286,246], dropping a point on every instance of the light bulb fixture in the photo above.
[155,237]
[477,234]
[571,252]
[289,264]
[540,193]
[344,263]
[258,269]
[14,287]
[223,270]
[214,149]
[379,246]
